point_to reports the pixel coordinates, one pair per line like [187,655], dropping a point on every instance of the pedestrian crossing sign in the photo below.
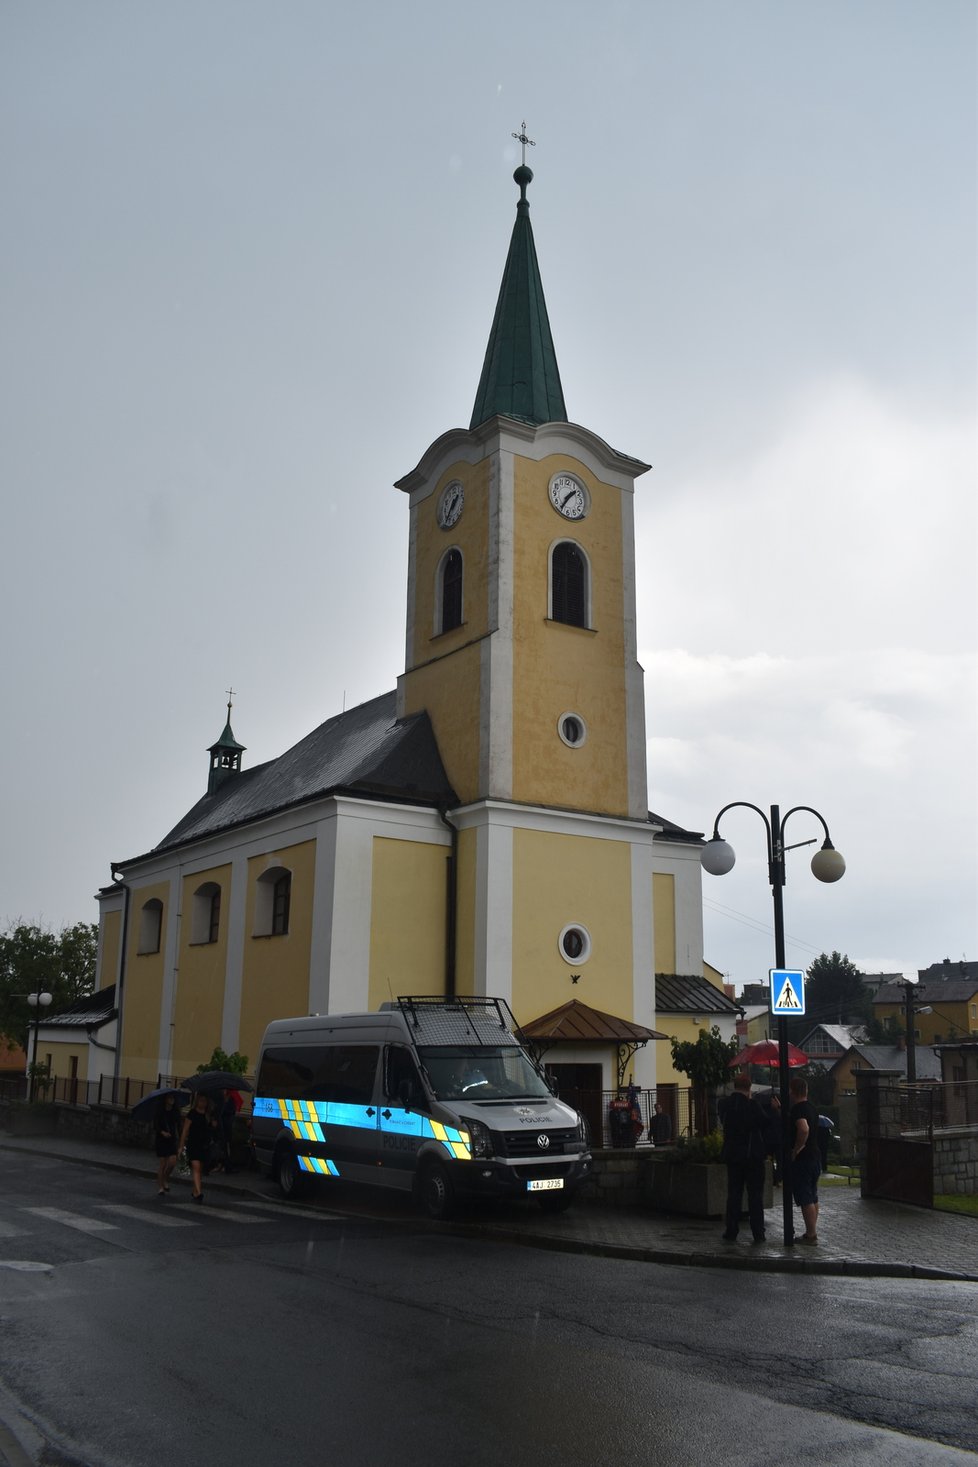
[787,991]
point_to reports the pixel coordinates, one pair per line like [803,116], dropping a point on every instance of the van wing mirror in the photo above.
[405,1093]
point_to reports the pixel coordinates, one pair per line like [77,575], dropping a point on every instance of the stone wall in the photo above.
[956,1165]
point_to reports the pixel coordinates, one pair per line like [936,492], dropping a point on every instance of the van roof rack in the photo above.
[465,1019]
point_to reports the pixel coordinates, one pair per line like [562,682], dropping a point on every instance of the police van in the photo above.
[430,1095]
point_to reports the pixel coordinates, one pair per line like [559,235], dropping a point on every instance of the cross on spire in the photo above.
[524,141]
[230,693]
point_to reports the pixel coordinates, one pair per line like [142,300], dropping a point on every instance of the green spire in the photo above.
[520,378]
[225,756]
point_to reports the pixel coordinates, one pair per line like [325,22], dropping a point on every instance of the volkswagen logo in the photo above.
[543,1141]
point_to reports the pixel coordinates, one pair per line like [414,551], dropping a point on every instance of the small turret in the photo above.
[225,755]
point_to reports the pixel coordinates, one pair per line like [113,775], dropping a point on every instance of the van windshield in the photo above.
[482,1073]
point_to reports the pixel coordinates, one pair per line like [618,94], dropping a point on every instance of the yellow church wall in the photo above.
[470,534]
[61,1057]
[561,668]
[407,932]
[676,1026]
[199,1005]
[110,937]
[453,705]
[564,879]
[143,989]
[275,971]
[664,918]
[465,913]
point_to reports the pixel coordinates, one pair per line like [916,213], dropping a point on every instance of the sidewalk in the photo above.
[857,1237]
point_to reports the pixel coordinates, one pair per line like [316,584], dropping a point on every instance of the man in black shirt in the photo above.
[805,1160]
[744,1153]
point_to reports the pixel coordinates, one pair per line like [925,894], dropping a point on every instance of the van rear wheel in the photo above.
[291,1181]
[436,1192]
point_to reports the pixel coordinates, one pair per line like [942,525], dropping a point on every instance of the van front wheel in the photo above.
[436,1192]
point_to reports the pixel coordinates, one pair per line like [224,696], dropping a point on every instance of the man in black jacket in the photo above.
[744,1152]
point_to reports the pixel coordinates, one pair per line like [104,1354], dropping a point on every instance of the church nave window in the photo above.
[150,927]
[273,902]
[205,916]
[568,585]
[450,588]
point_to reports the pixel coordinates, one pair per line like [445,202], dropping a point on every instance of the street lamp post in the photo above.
[37,1002]
[827,865]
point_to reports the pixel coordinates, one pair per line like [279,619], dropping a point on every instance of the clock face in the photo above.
[569,497]
[450,504]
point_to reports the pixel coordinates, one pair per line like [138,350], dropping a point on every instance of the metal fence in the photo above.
[928,1107]
[616,1120]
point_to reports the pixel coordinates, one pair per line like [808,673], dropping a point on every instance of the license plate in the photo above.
[546,1184]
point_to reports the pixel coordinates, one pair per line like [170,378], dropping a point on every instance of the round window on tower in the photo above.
[574,944]
[572,729]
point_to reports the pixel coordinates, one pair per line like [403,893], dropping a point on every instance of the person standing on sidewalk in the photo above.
[805,1160]
[744,1152]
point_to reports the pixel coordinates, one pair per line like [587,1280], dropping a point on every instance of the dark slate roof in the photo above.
[671,831]
[682,993]
[366,751]
[947,990]
[892,1057]
[578,1021]
[88,1012]
[520,378]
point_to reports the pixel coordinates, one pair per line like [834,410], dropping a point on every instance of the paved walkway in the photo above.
[857,1237]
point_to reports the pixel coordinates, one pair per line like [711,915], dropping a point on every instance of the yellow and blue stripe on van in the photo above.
[306,1119]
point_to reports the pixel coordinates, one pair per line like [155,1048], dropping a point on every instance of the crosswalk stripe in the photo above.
[73,1220]
[144,1214]
[205,1206]
[8,1230]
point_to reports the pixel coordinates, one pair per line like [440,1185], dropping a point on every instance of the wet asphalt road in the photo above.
[134,1331]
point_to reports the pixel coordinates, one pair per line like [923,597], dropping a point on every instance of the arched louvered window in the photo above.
[568,594]
[451,591]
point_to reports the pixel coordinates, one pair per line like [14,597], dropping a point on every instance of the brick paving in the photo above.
[857,1236]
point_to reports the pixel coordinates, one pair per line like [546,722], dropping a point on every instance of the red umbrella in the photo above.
[766,1052]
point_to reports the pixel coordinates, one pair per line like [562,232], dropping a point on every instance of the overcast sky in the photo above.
[248,263]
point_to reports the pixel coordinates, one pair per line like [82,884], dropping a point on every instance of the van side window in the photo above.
[401,1067]
[341,1072]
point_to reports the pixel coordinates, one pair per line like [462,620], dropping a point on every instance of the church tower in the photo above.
[521,638]
[521,648]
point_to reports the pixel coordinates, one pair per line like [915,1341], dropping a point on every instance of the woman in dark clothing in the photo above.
[198,1135]
[167,1131]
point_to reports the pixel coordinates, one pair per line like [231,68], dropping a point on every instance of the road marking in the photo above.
[8,1230]
[144,1214]
[73,1220]
[238,1217]
[24,1265]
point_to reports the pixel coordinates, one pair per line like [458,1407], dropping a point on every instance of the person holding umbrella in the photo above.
[198,1136]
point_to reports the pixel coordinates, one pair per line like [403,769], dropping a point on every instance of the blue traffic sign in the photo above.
[787,991]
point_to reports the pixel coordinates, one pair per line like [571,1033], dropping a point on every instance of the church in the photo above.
[482,828]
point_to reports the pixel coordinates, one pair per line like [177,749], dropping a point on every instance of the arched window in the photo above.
[450,599]
[205,916]
[568,585]
[150,927]
[273,901]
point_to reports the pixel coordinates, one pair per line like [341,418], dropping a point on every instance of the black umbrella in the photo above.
[217,1080]
[145,1109]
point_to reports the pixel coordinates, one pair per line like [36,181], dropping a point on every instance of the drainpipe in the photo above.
[451,900]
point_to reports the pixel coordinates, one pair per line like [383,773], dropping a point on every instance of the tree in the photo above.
[36,959]
[835,992]
[707,1063]
[232,1064]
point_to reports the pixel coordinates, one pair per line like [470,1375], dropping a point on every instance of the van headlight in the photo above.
[480,1138]
[583,1132]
